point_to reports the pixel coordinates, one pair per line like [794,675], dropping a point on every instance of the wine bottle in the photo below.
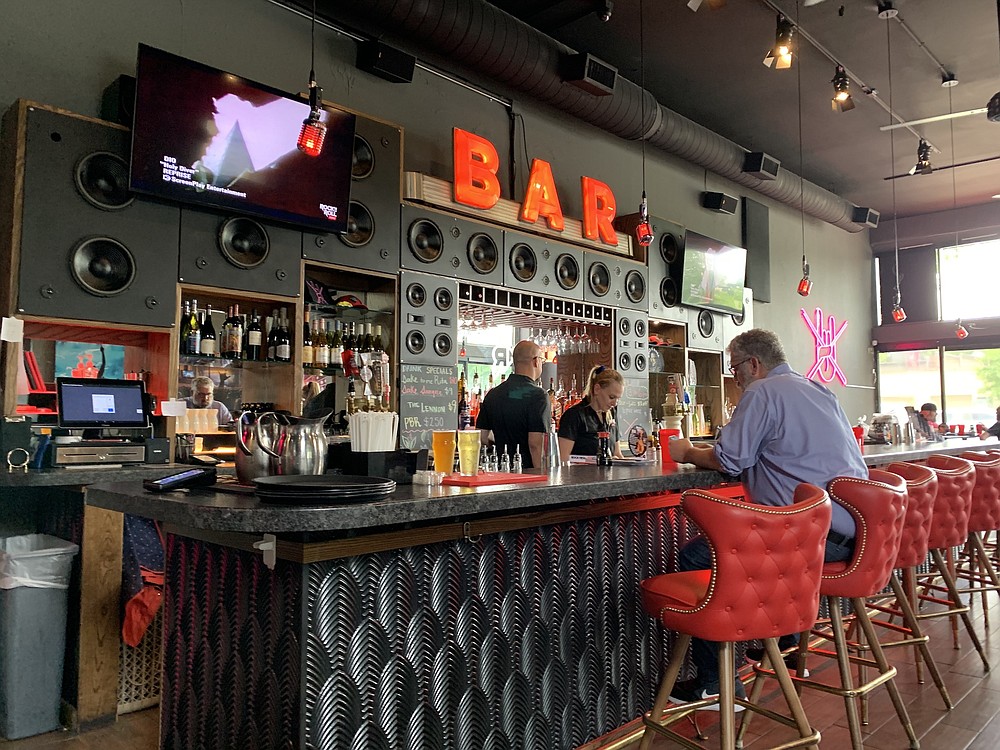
[321,345]
[283,345]
[237,333]
[464,414]
[274,324]
[208,337]
[185,326]
[347,355]
[255,338]
[225,343]
[336,338]
[366,341]
[307,343]
[194,330]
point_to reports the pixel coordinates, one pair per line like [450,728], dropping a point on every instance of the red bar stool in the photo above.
[950,529]
[878,507]
[984,517]
[764,582]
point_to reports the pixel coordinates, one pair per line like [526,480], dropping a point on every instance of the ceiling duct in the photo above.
[482,37]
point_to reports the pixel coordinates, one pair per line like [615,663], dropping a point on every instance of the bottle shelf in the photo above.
[345,312]
[223,362]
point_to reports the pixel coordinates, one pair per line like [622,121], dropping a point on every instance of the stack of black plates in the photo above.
[322,489]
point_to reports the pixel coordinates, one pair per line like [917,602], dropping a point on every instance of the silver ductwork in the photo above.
[483,38]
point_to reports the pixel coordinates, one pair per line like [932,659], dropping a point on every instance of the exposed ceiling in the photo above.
[707,66]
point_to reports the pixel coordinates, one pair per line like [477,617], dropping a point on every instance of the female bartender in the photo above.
[580,424]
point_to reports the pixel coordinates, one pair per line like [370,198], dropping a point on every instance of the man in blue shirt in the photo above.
[786,430]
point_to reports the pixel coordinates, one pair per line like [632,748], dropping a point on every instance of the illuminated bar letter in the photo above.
[598,211]
[541,198]
[476,165]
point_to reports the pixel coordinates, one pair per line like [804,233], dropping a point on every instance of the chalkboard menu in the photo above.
[633,406]
[428,400]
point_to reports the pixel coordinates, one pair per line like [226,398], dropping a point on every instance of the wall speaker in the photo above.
[386,62]
[757,241]
[436,242]
[618,282]
[704,330]
[89,249]
[428,319]
[724,204]
[372,238]
[239,252]
[865,216]
[631,355]
[118,101]
[733,325]
[760,165]
[537,264]
[663,258]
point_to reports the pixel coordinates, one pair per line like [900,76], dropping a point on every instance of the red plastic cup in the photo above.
[665,458]
[958,429]
[859,435]
[979,428]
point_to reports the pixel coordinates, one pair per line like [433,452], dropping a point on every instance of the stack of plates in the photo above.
[322,489]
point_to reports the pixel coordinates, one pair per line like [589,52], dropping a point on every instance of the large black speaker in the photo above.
[371,241]
[89,249]
[705,330]
[631,342]
[428,319]
[664,256]
[239,252]
[615,281]
[537,264]
[435,242]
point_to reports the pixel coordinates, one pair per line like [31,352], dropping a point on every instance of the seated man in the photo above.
[203,397]
[993,431]
[926,422]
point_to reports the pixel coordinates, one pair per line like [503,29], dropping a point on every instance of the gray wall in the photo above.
[64,53]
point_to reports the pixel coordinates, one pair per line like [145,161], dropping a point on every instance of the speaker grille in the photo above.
[483,253]
[706,324]
[670,247]
[624,361]
[360,226]
[416,295]
[635,286]
[425,240]
[640,328]
[640,362]
[443,299]
[599,278]
[668,291]
[415,342]
[243,242]
[102,266]
[523,263]
[102,180]
[567,271]
[442,344]
[624,326]
[362,160]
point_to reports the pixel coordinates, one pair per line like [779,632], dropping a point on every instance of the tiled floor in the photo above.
[973,724]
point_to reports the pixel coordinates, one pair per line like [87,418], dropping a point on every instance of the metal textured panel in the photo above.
[537,735]
[492,575]
[396,600]
[337,714]
[448,686]
[397,700]
[426,728]
[516,708]
[370,737]
[471,627]
[424,639]
[473,722]
[494,668]
[367,656]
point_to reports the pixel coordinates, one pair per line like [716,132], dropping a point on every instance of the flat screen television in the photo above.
[203,136]
[94,403]
[713,274]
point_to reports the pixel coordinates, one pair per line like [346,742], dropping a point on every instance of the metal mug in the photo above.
[299,445]
[251,460]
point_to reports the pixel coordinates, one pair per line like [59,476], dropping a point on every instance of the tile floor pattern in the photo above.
[974,723]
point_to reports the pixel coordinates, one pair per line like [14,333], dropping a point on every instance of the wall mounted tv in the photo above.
[207,137]
[713,274]
[95,403]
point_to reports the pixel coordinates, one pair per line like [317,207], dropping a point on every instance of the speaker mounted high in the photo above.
[760,165]
[865,216]
[386,62]
[721,202]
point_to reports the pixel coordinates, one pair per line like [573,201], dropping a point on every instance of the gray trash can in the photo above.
[34,578]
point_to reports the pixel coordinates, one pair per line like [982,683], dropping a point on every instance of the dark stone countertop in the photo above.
[86,474]
[409,505]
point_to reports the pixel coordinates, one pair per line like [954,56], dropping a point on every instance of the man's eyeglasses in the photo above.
[734,368]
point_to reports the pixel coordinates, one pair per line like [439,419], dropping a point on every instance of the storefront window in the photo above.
[908,379]
[972,386]
[968,276]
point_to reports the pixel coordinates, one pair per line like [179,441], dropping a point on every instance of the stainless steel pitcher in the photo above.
[251,460]
[297,444]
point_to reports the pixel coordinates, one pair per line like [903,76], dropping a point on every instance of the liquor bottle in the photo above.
[377,345]
[272,336]
[236,352]
[352,405]
[489,384]
[574,394]
[464,415]
[365,345]
[283,345]
[336,339]
[225,342]
[208,337]
[321,345]
[347,355]
[307,343]
[381,359]
[194,330]
[551,392]
[255,338]
[475,397]
[185,326]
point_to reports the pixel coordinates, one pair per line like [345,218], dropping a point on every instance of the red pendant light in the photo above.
[313,131]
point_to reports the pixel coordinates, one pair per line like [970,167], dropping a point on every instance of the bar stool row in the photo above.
[768,577]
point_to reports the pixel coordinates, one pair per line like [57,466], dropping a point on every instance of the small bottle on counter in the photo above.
[603,448]
[505,462]
[517,463]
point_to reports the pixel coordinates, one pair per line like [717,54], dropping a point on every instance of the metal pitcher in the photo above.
[298,445]
[251,460]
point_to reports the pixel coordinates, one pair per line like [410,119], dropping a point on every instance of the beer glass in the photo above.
[468,452]
[443,446]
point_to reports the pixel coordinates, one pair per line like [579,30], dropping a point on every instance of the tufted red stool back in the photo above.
[985,512]
[956,478]
[878,505]
[764,580]
[921,490]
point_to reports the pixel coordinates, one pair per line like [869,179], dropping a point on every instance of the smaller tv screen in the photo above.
[97,402]
[204,136]
[713,274]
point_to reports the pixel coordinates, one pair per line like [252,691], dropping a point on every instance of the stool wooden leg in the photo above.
[885,668]
[949,582]
[844,665]
[910,588]
[663,696]
[910,621]
[950,561]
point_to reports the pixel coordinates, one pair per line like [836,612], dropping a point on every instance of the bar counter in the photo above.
[499,617]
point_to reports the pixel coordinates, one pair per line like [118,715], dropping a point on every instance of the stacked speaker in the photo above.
[631,342]
[372,236]
[614,281]
[704,330]
[544,266]
[664,259]
[85,247]
[428,319]
[440,243]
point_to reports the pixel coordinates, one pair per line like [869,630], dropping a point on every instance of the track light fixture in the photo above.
[780,55]
[886,10]
[313,131]
[923,165]
[842,101]
[643,231]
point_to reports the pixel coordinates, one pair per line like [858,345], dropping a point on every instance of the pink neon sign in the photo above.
[826,367]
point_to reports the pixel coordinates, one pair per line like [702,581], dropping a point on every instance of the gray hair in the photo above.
[760,343]
[202,380]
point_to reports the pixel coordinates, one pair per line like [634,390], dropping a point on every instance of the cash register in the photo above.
[96,405]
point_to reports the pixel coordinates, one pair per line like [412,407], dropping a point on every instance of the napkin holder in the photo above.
[398,465]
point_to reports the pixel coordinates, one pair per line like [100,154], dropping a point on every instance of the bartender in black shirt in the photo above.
[580,423]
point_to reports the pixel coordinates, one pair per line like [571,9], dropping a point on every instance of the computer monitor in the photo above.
[95,403]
